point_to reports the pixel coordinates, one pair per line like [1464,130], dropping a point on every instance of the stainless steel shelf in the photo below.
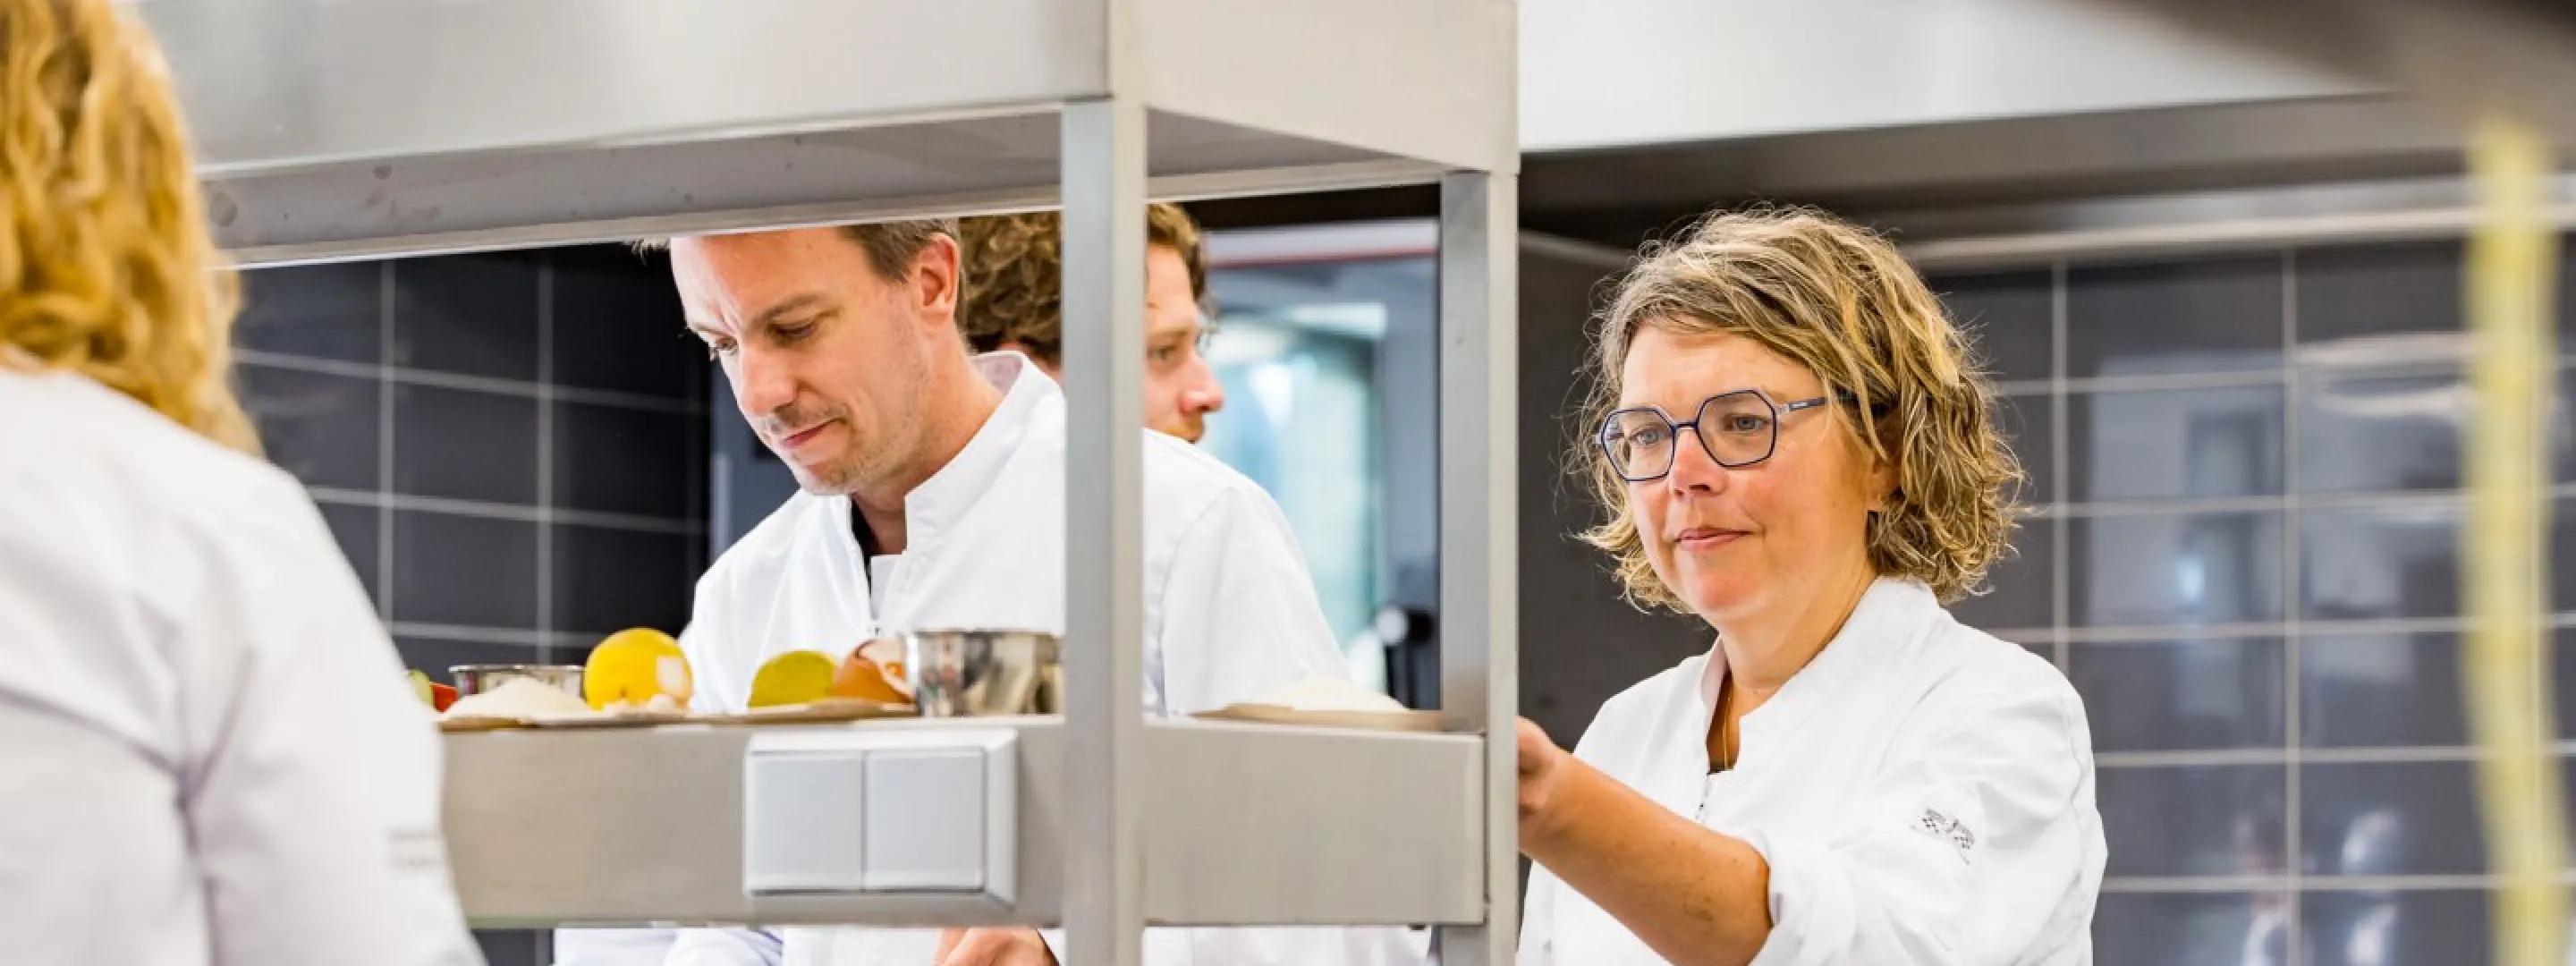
[362,128]
[394,126]
[1246,825]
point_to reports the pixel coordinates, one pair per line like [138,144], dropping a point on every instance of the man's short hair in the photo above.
[891,245]
[1015,276]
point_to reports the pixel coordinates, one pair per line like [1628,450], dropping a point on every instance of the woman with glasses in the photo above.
[1790,442]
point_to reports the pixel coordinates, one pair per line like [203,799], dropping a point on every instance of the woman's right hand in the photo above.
[1541,764]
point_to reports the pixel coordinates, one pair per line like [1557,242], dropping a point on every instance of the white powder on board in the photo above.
[518,698]
[1329,694]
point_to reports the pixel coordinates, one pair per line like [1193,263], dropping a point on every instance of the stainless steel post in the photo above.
[1479,525]
[1104,661]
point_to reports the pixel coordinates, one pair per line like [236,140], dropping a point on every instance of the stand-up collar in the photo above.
[948,494]
[1889,617]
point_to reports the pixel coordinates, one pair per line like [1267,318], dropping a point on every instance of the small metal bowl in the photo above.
[473,679]
[978,674]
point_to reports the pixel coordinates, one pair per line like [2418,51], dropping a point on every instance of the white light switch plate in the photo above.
[884,811]
[927,834]
[800,821]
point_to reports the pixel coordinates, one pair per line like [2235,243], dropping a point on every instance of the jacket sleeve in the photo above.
[1959,857]
[1238,610]
[312,789]
[716,686]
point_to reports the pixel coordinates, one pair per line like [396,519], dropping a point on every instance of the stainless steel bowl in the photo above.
[977,674]
[473,679]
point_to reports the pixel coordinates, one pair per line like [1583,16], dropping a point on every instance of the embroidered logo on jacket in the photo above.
[1947,829]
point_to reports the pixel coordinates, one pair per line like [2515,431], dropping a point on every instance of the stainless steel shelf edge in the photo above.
[375,127]
[1246,824]
[641,826]
[508,233]
[597,193]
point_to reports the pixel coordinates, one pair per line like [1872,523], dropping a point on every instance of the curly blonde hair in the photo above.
[1015,276]
[106,265]
[1840,301]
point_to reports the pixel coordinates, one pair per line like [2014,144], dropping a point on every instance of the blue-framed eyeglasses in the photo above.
[1737,429]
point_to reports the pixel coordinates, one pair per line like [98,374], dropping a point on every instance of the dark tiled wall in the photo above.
[511,448]
[2247,474]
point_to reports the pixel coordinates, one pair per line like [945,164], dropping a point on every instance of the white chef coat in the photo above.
[208,754]
[1230,613]
[1922,792]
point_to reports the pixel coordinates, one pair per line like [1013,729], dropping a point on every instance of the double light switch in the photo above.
[880,811]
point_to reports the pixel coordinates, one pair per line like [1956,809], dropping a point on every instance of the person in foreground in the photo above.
[1790,443]
[207,751]
[1015,303]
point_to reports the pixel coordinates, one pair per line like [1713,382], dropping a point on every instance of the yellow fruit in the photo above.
[860,677]
[632,667]
[795,677]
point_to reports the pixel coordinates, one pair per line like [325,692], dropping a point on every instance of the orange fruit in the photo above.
[860,676]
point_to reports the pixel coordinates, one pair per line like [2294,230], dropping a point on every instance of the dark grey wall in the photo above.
[2247,466]
[511,448]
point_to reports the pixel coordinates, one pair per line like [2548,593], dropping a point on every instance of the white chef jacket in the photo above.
[208,754]
[1922,792]
[1230,613]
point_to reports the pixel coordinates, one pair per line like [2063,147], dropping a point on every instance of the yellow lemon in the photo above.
[795,677]
[632,667]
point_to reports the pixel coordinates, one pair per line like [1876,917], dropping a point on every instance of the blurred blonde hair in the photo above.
[106,266]
[1840,301]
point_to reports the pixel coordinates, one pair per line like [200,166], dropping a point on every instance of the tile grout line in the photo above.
[2240,379]
[545,457]
[385,441]
[2307,629]
[2355,501]
[2060,607]
[2240,885]
[2294,848]
[2359,502]
[505,511]
[2270,755]
[466,383]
